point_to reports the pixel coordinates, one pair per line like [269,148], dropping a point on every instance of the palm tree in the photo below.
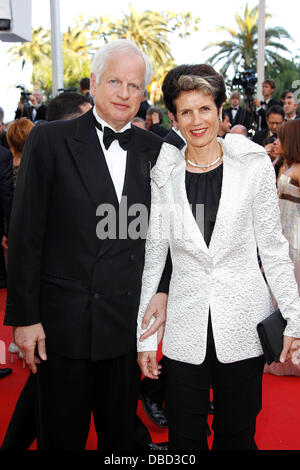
[150,30]
[240,51]
[34,52]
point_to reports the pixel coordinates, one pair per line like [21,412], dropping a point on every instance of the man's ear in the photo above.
[93,83]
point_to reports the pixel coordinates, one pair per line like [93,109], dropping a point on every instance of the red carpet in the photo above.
[278,425]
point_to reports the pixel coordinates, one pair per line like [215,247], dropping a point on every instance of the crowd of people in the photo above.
[75,301]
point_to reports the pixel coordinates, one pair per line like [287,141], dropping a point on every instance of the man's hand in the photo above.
[4,242]
[148,364]
[157,308]
[27,338]
[290,350]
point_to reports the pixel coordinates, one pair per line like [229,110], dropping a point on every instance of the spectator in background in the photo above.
[3,139]
[17,134]
[268,89]
[239,129]
[37,110]
[224,126]
[144,106]
[6,195]
[154,118]
[275,118]
[65,106]
[237,114]
[139,122]
[285,94]
[289,205]
[85,89]
[290,108]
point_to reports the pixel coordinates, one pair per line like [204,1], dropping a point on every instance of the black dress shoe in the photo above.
[158,447]
[155,412]
[5,372]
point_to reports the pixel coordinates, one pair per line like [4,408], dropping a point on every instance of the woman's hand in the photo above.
[148,364]
[157,308]
[290,350]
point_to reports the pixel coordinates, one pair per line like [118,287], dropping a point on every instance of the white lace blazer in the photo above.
[225,277]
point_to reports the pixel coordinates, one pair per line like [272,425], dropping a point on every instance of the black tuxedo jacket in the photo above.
[242,117]
[85,291]
[260,136]
[6,181]
[174,139]
[40,113]
[261,114]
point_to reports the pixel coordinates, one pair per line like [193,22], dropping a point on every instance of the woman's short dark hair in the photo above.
[154,109]
[212,81]
[289,136]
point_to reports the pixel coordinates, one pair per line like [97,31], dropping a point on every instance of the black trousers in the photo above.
[156,389]
[68,391]
[237,398]
[22,428]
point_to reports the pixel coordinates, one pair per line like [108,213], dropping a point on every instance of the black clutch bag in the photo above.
[270,332]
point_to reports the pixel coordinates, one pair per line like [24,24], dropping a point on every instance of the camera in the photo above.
[247,80]
[25,100]
[24,94]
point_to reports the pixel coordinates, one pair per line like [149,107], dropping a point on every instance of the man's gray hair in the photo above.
[120,46]
[1,115]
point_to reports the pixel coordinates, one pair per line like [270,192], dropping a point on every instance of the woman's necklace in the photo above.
[202,166]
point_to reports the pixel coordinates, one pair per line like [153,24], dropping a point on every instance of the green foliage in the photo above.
[285,80]
[240,50]
[150,30]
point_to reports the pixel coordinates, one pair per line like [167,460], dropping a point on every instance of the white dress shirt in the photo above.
[115,156]
[234,112]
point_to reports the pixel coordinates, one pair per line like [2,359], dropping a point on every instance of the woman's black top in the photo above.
[205,188]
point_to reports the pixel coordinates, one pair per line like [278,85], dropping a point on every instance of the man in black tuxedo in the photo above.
[37,110]
[290,107]
[274,119]
[238,115]
[74,272]
[268,89]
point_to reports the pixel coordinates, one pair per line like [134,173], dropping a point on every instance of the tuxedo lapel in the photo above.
[91,163]
[174,139]
[137,177]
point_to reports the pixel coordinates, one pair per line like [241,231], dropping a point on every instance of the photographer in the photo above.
[31,106]
[244,116]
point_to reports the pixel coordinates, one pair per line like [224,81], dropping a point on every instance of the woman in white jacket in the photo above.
[217,293]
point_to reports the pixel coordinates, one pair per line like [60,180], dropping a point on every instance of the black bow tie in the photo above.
[234,109]
[109,136]
[263,102]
